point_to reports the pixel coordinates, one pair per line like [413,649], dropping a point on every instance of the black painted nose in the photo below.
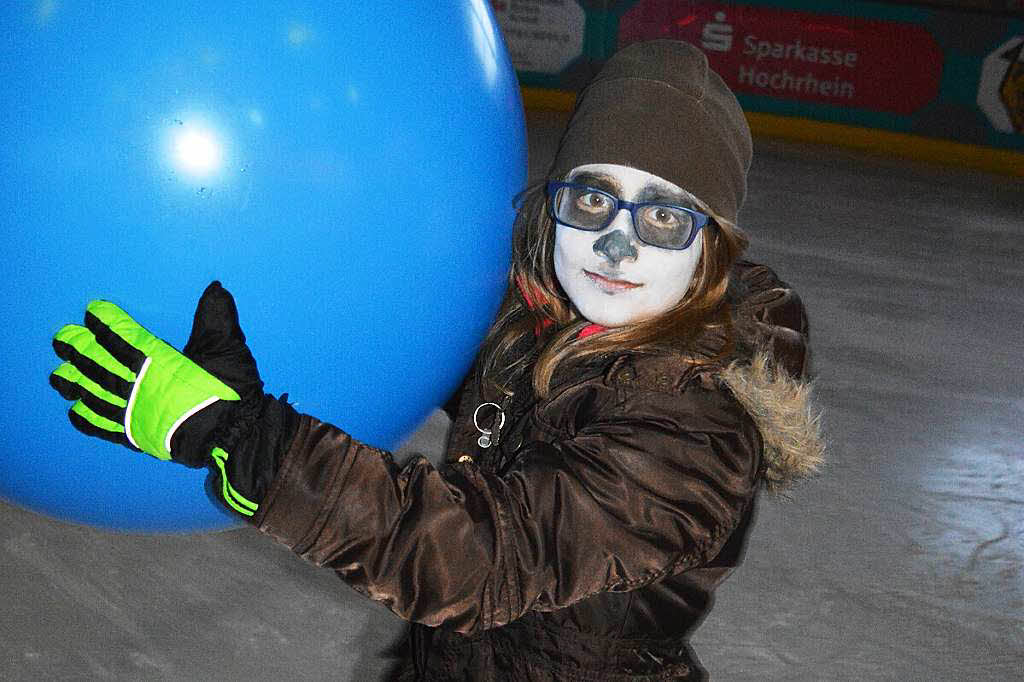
[616,247]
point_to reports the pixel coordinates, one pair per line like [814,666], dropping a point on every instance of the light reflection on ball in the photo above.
[197,152]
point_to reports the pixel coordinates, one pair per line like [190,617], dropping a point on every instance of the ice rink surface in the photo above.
[903,561]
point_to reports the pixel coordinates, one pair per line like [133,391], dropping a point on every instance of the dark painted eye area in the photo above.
[665,226]
[663,217]
[583,207]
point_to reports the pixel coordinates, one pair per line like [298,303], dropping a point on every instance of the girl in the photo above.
[638,387]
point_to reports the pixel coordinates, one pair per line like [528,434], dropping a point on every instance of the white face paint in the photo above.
[612,277]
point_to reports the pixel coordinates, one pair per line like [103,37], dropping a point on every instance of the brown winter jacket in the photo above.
[586,544]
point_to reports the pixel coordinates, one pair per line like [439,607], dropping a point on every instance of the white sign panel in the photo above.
[542,35]
[1001,90]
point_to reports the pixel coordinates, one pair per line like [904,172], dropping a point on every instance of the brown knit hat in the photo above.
[657,106]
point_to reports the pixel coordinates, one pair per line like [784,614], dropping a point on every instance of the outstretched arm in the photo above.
[649,486]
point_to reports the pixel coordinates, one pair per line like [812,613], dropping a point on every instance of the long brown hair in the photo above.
[535,307]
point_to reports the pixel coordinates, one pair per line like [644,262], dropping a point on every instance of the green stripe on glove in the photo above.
[232,497]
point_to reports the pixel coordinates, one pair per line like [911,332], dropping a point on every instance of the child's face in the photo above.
[612,277]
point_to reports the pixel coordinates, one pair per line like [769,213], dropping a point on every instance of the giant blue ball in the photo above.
[346,169]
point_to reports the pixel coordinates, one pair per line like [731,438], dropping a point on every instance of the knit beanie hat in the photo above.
[658,107]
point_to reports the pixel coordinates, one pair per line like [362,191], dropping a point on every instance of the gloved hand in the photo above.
[195,408]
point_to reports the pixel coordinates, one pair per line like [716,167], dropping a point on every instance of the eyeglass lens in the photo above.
[588,209]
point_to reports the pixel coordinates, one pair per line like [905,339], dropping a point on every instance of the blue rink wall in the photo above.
[931,83]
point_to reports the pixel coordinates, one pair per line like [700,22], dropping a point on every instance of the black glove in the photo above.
[247,441]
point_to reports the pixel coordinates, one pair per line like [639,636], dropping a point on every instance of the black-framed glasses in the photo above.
[591,209]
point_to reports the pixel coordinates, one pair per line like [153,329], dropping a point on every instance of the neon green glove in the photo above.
[129,386]
[193,407]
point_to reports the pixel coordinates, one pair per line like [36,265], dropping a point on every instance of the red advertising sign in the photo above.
[844,61]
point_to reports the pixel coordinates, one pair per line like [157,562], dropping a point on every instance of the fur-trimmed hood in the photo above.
[783,410]
[769,373]
[780,404]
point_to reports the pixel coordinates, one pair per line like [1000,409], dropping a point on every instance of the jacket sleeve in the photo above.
[649,484]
